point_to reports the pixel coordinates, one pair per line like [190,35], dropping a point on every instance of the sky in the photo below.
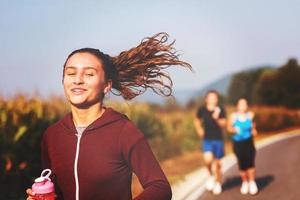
[216,37]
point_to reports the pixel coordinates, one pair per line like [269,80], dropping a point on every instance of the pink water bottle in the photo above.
[43,187]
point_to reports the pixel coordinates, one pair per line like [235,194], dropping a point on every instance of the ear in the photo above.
[108,87]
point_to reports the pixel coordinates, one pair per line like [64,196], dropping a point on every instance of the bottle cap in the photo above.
[43,184]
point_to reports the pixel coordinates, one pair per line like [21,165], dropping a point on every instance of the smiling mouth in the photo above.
[78,90]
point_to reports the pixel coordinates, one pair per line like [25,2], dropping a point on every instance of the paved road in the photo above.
[278,174]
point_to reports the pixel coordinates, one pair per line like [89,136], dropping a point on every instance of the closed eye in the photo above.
[70,74]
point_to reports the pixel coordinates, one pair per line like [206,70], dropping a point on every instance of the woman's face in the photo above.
[212,99]
[242,105]
[84,80]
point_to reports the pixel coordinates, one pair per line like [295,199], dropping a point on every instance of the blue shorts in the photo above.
[216,147]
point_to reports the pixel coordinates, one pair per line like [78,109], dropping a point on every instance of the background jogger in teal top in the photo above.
[243,128]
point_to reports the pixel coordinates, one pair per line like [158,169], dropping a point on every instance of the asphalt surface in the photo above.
[277,177]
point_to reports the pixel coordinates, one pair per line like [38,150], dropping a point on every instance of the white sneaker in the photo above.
[253,188]
[217,189]
[210,183]
[244,188]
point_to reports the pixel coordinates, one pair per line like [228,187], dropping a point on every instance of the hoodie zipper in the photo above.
[76,165]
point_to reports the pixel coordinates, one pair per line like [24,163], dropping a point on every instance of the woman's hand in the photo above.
[216,113]
[30,194]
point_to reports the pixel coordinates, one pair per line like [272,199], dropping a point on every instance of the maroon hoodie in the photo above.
[99,164]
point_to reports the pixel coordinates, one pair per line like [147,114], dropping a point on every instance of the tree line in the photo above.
[268,86]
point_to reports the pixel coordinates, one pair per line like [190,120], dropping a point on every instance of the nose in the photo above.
[78,79]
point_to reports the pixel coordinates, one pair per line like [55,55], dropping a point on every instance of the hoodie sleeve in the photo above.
[44,153]
[140,158]
[46,163]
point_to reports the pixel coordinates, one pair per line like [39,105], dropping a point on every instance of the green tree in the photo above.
[280,87]
[289,79]
[242,85]
[267,90]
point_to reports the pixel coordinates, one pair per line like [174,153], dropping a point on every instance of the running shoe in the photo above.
[210,183]
[244,188]
[253,188]
[217,189]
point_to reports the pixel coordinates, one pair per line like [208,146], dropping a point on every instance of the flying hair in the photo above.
[140,68]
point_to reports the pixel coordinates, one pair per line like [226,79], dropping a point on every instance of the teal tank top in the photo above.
[244,128]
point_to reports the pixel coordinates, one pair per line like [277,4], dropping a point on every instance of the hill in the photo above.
[183,96]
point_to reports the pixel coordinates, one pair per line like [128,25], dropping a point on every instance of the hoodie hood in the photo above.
[109,116]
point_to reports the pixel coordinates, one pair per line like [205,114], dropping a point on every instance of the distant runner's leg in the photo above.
[208,159]
[218,170]
[251,174]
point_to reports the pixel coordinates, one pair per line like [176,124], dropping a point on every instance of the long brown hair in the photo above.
[134,71]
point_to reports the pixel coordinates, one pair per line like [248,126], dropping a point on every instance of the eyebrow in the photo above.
[85,68]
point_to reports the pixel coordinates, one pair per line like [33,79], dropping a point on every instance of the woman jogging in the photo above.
[209,123]
[94,150]
[242,126]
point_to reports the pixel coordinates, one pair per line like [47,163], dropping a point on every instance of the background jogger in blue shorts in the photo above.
[209,123]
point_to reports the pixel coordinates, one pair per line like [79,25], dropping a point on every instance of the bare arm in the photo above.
[198,126]
[230,128]
[254,130]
